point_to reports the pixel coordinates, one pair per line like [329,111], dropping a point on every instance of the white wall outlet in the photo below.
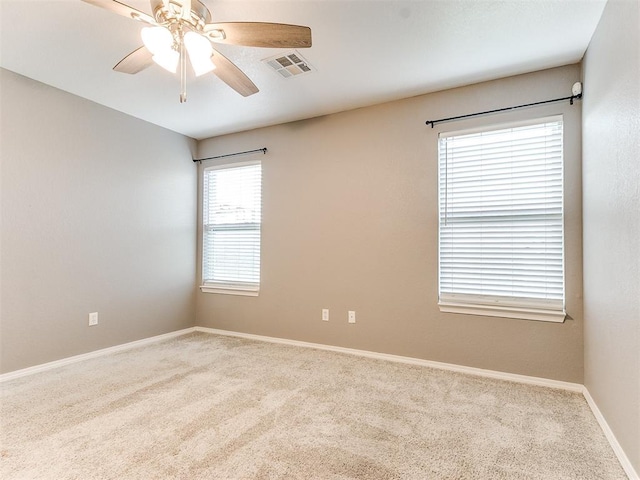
[93,319]
[352,316]
[325,314]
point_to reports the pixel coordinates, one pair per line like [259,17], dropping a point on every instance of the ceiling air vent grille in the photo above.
[289,65]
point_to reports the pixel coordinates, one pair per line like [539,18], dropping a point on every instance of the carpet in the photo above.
[204,406]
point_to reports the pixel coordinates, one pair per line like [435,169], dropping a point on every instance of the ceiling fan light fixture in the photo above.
[159,42]
[200,51]
[167,60]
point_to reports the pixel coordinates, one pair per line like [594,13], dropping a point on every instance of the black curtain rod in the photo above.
[263,150]
[441,120]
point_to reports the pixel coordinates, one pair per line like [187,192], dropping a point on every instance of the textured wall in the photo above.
[611,145]
[350,222]
[98,214]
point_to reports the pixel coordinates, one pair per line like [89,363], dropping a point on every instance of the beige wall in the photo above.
[98,214]
[350,223]
[611,146]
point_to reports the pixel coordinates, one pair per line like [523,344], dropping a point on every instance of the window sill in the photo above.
[244,290]
[522,313]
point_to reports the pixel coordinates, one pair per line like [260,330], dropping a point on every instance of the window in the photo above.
[231,229]
[501,221]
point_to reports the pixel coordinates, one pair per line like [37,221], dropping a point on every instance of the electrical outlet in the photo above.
[325,314]
[93,319]
[352,316]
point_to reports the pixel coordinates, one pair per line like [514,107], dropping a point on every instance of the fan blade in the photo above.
[135,62]
[121,9]
[260,34]
[230,74]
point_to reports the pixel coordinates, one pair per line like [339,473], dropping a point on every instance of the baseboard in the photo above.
[96,353]
[512,377]
[543,382]
[613,441]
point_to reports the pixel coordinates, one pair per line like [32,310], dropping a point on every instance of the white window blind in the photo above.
[501,221]
[232,217]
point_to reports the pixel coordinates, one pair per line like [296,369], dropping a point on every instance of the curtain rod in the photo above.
[263,150]
[441,120]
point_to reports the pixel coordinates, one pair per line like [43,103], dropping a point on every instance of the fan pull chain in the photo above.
[183,72]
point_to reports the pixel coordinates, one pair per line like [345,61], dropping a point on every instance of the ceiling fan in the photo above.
[182,28]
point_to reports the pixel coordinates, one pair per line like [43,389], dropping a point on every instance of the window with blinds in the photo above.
[501,250]
[231,228]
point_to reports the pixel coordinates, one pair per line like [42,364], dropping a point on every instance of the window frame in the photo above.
[526,308]
[231,287]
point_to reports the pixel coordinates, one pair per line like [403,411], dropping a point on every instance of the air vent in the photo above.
[289,65]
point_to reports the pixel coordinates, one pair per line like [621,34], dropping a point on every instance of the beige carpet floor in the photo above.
[204,406]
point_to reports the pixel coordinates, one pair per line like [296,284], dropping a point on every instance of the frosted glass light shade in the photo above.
[159,42]
[200,52]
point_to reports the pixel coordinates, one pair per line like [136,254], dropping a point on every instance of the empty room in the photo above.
[311,239]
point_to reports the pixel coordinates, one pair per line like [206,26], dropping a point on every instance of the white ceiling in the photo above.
[364,52]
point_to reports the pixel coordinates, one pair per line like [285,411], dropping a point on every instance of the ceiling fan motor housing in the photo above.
[171,11]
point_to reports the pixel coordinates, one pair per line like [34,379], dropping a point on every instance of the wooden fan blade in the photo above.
[230,74]
[135,62]
[121,9]
[260,34]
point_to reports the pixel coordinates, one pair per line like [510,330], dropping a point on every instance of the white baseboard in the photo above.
[512,377]
[543,382]
[613,441]
[96,353]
